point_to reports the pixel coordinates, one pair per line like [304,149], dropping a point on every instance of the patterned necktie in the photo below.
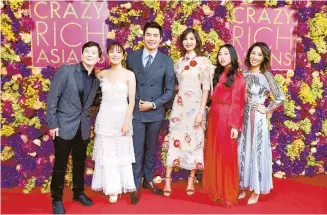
[148,63]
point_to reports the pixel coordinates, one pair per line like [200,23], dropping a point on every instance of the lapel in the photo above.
[140,67]
[93,91]
[78,81]
[156,64]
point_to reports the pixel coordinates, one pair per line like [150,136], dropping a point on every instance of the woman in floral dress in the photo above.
[254,148]
[187,121]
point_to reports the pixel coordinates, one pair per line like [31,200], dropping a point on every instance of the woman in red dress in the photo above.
[220,177]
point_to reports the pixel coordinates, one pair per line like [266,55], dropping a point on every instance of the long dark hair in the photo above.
[220,69]
[266,53]
[197,37]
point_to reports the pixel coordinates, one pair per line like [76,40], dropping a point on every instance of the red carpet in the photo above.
[299,195]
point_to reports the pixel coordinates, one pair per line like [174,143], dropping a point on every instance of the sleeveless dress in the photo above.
[113,153]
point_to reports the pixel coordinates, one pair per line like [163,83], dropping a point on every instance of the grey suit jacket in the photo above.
[156,85]
[64,107]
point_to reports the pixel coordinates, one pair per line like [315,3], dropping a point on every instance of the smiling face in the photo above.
[224,57]
[115,55]
[189,42]
[256,57]
[90,56]
[152,39]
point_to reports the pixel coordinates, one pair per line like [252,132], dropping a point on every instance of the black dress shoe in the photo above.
[135,197]
[58,207]
[83,199]
[152,187]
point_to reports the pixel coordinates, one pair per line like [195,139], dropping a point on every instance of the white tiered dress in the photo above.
[113,153]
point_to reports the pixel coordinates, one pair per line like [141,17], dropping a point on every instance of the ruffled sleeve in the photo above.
[207,71]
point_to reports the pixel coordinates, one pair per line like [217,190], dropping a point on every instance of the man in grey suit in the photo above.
[72,91]
[155,86]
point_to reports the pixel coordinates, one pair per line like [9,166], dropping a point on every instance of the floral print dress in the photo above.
[186,142]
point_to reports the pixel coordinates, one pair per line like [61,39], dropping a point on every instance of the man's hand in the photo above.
[145,106]
[54,132]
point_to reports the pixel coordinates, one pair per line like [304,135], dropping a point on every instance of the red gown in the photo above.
[220,176]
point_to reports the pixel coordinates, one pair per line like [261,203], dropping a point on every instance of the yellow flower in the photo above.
[6,131]
[271,2]
[289,108]
[111,34]
[7,153]
[294,149]
[177,29]
[230,11]
[292,125]
[305,94]
[324,128]
[16,4]
[305,125]
[313,56]
[279,174]
[160,18]
[320,45]
[318,25]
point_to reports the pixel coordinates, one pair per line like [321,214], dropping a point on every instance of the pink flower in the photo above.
[179,100]
[188,138]
[177,143]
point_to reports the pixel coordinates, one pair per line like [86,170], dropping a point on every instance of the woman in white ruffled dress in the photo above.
[113,148]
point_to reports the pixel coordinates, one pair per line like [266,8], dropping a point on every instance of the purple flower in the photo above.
[220,11]
[300,72]
[9,176]
[207,24]
[25,72]
[308,43]
[189,21]
[48,72]
[319,66]
[310,171]
[302,29]
[43,96]
[320,113]
[31,132]
[278,116]
[15,26]
[304,14]
[46,148]
[309,138]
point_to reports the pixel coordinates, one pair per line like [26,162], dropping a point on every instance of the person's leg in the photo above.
[79,157]
[190,184]
[168,180]
[62,149]
[151,139]
[139,130]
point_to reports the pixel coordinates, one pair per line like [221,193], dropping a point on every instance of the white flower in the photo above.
[313,150]
[290,73]
[278,162]
[37,142]
[26,37]
[279,174]
[157,180]
[206,9]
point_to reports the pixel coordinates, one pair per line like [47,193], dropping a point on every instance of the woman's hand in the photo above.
[198,120]
[125,129]
[233,133]
[260,108]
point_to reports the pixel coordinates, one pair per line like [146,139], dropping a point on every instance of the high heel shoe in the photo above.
[253,199]
[190,192]
[168,192]
[113,199]
[242,195]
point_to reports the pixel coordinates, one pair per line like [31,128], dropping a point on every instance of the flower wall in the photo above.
[298,130]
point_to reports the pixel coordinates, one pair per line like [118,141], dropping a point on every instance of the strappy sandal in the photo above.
[190,192]
[167,193]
